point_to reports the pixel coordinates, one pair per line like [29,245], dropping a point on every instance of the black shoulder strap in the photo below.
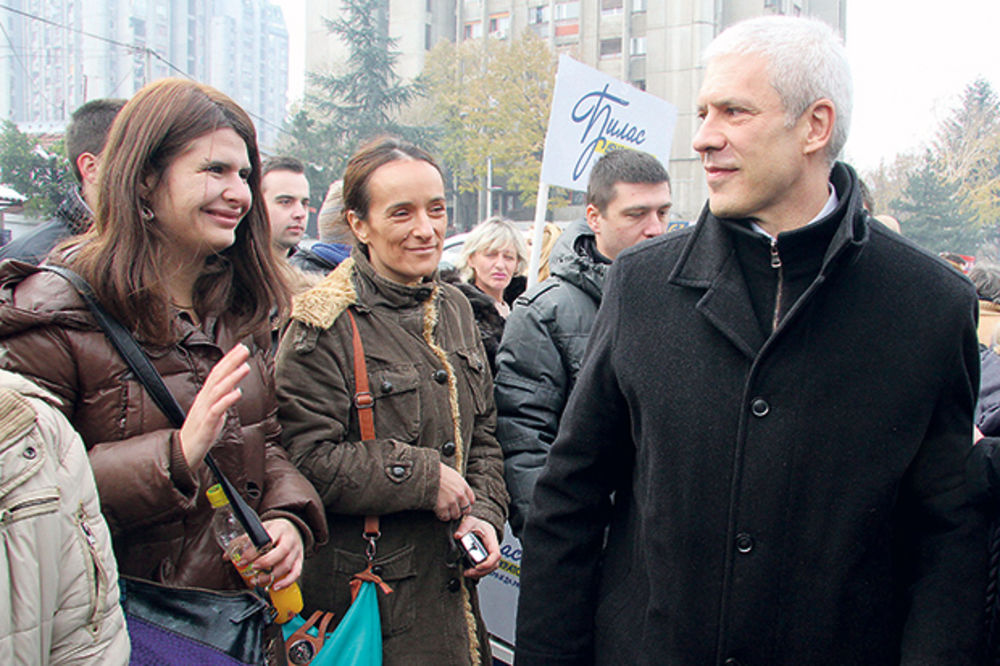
[147,375]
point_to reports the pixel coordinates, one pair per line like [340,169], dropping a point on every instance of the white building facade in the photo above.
[654,44]
[57,54]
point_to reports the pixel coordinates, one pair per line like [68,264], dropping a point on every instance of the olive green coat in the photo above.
[433,404]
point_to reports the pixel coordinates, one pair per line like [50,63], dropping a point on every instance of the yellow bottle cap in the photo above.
[217,496]
[287,602]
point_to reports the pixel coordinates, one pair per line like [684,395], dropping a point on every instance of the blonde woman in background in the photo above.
[493,253]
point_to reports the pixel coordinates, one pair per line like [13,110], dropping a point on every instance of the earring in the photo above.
[146,213]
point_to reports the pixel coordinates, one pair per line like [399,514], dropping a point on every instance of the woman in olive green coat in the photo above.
[434,470]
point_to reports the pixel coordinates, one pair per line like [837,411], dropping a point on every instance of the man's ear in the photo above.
[593,218]
[357,226]
[87,164]
[818,120]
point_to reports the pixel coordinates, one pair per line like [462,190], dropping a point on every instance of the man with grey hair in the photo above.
[753,468]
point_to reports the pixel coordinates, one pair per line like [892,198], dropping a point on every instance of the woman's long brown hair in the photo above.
[123,255]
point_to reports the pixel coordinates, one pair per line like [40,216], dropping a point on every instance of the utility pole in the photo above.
[489,188]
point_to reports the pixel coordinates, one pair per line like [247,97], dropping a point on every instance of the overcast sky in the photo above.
[911,60]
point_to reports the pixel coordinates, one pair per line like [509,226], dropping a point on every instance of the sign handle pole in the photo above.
[541,205]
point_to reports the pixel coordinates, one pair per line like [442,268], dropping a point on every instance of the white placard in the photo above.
[498,591]
[593,113]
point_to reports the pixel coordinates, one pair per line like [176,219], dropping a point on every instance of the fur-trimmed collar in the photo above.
[321,305]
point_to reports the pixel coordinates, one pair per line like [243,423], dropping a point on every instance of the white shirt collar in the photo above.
[828,207]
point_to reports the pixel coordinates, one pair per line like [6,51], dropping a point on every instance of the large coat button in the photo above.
[398,471]
[448,449]
[454,585]
[386,386]
[744,542]
[440,376]
[759,407]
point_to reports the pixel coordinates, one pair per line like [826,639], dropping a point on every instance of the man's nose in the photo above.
[653,225]
[708,136]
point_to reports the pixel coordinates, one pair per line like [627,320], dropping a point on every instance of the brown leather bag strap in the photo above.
[364,402]
[301,647]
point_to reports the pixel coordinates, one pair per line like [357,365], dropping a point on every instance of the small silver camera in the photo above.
[472,546]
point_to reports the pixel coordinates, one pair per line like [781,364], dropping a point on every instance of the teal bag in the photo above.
[357,640]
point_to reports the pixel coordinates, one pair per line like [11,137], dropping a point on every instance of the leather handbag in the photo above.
[172,625]
[180,625]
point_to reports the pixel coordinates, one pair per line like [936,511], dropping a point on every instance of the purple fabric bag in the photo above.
[183,626]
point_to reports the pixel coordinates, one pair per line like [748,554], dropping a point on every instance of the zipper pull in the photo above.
[775,259]
[81,520]
[91,539]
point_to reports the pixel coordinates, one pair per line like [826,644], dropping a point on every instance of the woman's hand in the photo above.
[208,411]
[284,560]
[489,538]
[455,497]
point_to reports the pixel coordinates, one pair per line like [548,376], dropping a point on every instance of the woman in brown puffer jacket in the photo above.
[433,471]
[180,254]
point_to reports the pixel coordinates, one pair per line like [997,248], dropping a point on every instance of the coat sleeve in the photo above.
[484,466]
[314,378]
[942,529]
[157,487]
[531,389]
[988,407]
[287,493]
[571,505]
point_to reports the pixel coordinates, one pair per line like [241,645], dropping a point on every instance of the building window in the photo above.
[638,6]
[427,36]
[538,15]
[640,84]
[611,7]
[430,4]
[474,30]
[500,25]
[637,46]
[567,10]
[611,47]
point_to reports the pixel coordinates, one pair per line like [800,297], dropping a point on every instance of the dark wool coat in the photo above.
[433,405]
[792,499]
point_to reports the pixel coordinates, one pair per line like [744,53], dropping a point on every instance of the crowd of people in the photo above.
[747,442]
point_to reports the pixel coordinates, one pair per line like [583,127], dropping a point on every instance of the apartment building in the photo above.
[57,54]
[654,44]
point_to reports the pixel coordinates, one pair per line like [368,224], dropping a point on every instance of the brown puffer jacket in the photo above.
[433,404]
[154,503]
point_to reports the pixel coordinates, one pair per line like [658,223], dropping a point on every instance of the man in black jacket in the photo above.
[763,459]
[86,135]
[628,200]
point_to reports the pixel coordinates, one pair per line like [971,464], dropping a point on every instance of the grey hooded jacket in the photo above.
[538,361]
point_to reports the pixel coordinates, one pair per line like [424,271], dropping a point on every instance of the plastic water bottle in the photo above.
[229,533]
